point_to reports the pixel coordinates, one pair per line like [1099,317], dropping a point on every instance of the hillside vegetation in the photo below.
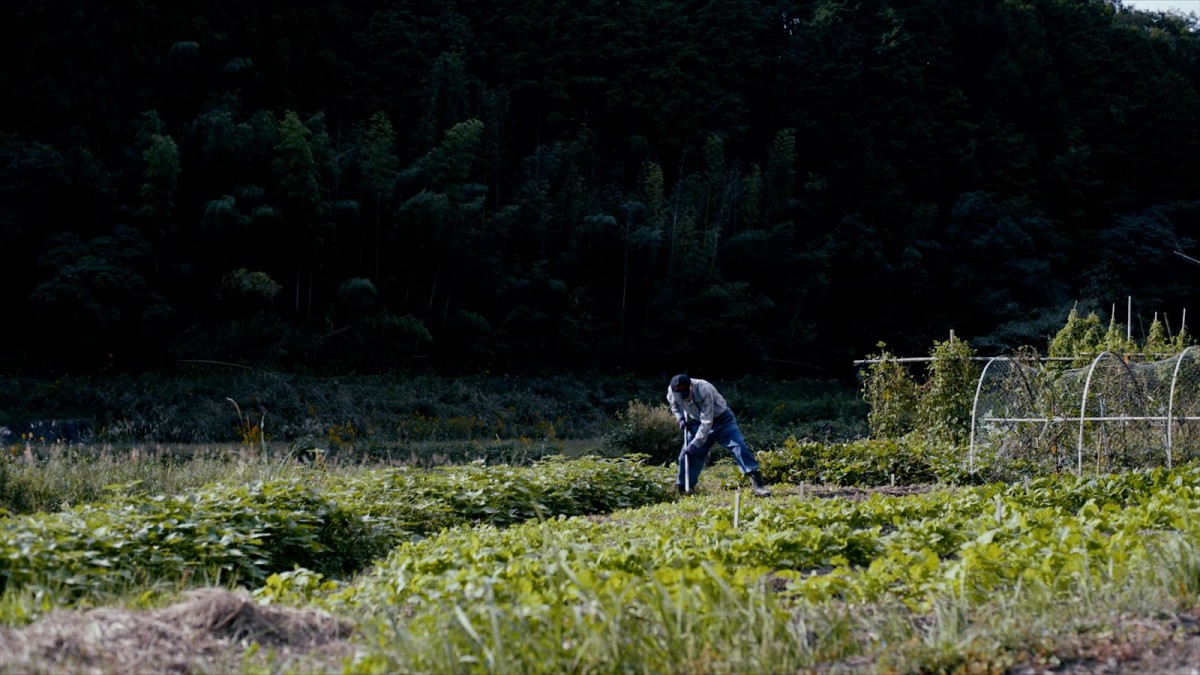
[728,187]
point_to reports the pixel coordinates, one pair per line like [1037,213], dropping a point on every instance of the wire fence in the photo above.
[1117,412]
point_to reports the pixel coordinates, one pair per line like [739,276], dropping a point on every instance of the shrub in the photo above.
[861,463]
[646,429]
[1080,338]
[949,393]
[245,292]
[892,394]
[356,299]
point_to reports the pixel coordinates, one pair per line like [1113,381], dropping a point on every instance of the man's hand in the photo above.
[682,424]
[691,449]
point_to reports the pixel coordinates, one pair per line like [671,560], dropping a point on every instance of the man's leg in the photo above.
[693,465]
[730,436]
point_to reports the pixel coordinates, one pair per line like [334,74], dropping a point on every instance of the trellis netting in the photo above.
[1114,413]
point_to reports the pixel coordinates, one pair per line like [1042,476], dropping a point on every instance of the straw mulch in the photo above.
[209,631]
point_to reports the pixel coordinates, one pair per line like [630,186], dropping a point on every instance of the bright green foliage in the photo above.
[945,411]
[1117,339]
[1079,337]
[867,462]
[654,588]
[892,394]
[1183,339]
[406,503]
[542,595]
[297,587]
[245,533]
[1157,344]
[940,408]
[709,583]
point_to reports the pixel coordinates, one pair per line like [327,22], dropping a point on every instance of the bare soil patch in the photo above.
[854,493]
[210,631]
[1168,644]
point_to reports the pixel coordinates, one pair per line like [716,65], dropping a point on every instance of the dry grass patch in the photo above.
[1164,644]
[212,630]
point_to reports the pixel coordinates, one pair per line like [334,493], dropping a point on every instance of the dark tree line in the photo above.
[724,185]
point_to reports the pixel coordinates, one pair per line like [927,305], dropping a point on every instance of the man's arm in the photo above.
[704,396]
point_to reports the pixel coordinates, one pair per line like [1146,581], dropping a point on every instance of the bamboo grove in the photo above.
[729,186]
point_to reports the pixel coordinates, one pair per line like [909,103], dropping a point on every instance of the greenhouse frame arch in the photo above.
[1123,412]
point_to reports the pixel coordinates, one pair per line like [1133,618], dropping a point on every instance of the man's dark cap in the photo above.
[681,382]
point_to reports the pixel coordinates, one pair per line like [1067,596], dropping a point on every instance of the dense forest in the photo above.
[727,186]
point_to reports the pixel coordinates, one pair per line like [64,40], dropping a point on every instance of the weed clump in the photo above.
[648,430]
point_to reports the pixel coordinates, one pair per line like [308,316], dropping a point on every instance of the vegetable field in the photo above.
[596,565]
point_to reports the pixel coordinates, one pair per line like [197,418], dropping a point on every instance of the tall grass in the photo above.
[66,476]
[49,477]
[20,605]
[636,628]
[717,628]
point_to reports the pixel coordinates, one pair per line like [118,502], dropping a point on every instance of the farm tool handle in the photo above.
[687,469]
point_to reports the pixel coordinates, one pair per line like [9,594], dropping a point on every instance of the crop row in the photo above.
[562,585]
[334,525]
[819,543]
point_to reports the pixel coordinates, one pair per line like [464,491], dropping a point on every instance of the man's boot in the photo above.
[756,484]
